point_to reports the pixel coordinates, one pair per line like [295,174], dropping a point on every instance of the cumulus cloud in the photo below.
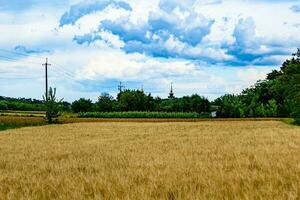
[174,30]
[87,7]
[251,49]
[135,67]
[177,29]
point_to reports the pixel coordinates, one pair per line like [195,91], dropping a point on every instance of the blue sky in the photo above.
[209,47]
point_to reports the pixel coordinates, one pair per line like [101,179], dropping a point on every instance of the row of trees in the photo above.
[136,100]
[28,105]
[277,96]
[16,104]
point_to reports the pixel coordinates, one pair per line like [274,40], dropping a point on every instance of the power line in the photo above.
[8,59]
[19,53]
[65,70]
[67,75]
[20,78]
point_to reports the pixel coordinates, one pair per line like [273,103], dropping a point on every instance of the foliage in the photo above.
[193,103]
[230,106]
[152,115]
[3,105]
[105,103]
[20,105]
[53,107]
[135,100]
[277,96]
[82,105]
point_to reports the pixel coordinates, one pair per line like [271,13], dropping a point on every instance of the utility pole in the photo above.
[46,76]
[121,87]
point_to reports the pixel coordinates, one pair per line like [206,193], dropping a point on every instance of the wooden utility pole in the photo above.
[46,76]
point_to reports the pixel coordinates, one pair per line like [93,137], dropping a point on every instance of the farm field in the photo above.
[148,160]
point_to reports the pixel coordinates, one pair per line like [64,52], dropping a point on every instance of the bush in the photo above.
[297,121]
[82,105]
[3,106]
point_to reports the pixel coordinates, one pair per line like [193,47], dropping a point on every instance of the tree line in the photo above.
[276,96]
[23,104]
[137,100]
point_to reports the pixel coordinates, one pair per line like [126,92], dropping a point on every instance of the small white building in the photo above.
[214,114]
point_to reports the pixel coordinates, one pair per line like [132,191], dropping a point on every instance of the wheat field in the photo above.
[130,160]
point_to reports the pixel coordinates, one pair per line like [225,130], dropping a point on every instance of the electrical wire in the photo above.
[18,53]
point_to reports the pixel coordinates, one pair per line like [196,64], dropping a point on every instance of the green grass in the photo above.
[4,127]
[144,115]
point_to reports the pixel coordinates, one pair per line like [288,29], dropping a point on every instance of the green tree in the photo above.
[105,103]
[230,106]
[272,108]
[199,104]
[288,85]
[3,105]
[135,100]
[53,109]
[82,105]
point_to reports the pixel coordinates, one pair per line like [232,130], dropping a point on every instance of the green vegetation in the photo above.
[7,126]
[53,110]
[145,115]
[277,96]
[82,105]
[4,126]
[21,104]
[138,101]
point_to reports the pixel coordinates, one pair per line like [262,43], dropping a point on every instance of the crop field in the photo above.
[152,160]
[9,122]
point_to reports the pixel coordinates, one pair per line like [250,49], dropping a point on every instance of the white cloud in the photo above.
[204,68]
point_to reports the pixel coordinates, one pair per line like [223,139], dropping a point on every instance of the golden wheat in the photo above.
[182,160]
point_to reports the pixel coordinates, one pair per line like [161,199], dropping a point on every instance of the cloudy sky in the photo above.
[209,47]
